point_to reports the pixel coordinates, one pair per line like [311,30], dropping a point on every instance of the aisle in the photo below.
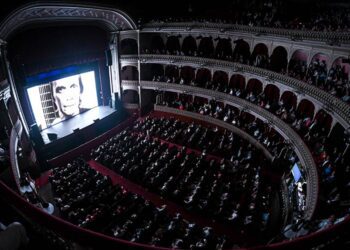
[172,207]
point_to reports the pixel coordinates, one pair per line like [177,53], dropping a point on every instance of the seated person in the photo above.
[13,236]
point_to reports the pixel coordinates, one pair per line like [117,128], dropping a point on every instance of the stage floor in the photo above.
[81,121]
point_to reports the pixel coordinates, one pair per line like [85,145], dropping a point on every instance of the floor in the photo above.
[83,120]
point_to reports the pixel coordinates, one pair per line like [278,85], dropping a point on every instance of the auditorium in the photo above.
[175,124]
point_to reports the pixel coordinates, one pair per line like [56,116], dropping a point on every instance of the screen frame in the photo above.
[59,73]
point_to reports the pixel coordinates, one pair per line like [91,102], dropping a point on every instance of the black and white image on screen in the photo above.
[63,98]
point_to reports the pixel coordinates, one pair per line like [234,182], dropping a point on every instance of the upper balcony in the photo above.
[339,109]
[330,38]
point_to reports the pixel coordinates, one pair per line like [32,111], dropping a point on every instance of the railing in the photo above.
[4,89]
[93,239]
[130,84]
[131,105]
[329,37]
[66,229]
[16,134]
[281,127]
[219,123]
[87,237]
[339,109]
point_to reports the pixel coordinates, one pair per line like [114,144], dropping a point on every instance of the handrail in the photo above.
[329,37]
[130,84]
[281,127]
[131,105]
[67,229]
[81,235]
[15,136]
[219,123]
[339,109]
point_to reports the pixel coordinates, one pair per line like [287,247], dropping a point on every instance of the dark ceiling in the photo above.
[160,8]
[135,8]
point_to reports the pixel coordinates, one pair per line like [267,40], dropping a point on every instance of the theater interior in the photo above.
[175,124]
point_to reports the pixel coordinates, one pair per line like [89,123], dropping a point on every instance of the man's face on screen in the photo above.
[67,95]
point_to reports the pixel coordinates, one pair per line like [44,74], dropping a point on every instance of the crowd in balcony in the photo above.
[333,168]
[273,14]
[261,131]
[88,199]
[335,81]
[314,131]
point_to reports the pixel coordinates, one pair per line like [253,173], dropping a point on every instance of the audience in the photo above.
[201,183]
[274,14]
[334,81]
[332,166]
[88,199]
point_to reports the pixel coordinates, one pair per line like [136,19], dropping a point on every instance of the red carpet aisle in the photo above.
[43,179]
[159,201]
[188,150]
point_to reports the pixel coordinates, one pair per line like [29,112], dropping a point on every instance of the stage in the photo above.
[78,130]
[77,122]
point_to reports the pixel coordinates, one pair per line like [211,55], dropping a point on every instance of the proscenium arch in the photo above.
[57,13]
[112,19]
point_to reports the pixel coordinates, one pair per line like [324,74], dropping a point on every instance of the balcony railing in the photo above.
[281,127]
[328,37]
[130,84]
[339,109]
[131,105]
[242,134]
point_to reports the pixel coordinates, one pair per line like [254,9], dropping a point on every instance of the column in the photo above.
[114,69]
[14,94]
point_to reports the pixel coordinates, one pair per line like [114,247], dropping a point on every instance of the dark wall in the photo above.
[42,49]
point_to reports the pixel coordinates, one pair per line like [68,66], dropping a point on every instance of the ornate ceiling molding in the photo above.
[114,20]
[330,38]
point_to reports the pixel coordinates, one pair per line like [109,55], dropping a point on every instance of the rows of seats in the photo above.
[313,131]
[259,130]
[89,200]
[332,166]
[212,140]
[232,190]
[284,109]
